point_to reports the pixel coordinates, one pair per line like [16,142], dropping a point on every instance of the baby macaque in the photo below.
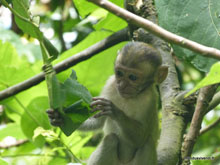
[127,109]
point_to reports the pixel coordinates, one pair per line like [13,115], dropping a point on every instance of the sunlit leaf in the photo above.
[58,161]
[2,162]
[212,78]
[84,7]
[106,24]
[12,129]
[48,134]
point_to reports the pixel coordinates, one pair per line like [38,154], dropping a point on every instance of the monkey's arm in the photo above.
[92,124]
[134,130]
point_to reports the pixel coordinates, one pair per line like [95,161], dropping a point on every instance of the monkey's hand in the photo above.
[55,117]
[106,107]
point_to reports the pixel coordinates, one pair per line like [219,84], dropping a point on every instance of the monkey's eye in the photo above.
[119,73]
[132,77]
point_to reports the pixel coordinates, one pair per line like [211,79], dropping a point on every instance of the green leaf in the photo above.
[108,25]
[35,116]
[84,7]
[78,112]
[30,25]
[23,149]
[13,110]
[75,91]
[48,134]
[68,126]
[58,161]
[13,68]
[2,162]
[12,129]
[22,8]
[78,145]
[77,141]
[99,13]
[85,152]
[194,20]
[29,50]
[212,78]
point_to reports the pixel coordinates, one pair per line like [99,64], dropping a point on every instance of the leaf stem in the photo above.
[73,157]
[17,14]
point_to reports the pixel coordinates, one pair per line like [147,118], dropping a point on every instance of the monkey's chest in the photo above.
[132,109]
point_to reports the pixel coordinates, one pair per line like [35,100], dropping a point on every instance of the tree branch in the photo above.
[73,60]
[204,97]
[173,114]
[215,101]
[209,127]
[157,30]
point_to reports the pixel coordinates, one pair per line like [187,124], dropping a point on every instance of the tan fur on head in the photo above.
[135,53]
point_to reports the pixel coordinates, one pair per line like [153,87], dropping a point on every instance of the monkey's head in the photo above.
[138,66]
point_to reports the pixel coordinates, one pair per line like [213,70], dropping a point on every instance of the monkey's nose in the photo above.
[122,85]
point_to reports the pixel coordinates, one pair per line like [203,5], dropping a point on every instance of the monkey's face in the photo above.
[131,82]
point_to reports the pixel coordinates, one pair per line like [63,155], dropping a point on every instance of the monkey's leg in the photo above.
[146,155]
[106,153]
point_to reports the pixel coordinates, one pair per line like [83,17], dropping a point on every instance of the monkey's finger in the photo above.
[105,113]
[99,102]
[56,114]
[56,122]
[101,108]
[97,108]
[99,98]
[53,115]
[50,111]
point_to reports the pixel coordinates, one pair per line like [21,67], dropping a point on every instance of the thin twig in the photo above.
[206,129]
[157,30]
[71,154]
[71,61]
[215,102]
[15,144]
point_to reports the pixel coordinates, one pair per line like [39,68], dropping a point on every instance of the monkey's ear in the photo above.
[161,74]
